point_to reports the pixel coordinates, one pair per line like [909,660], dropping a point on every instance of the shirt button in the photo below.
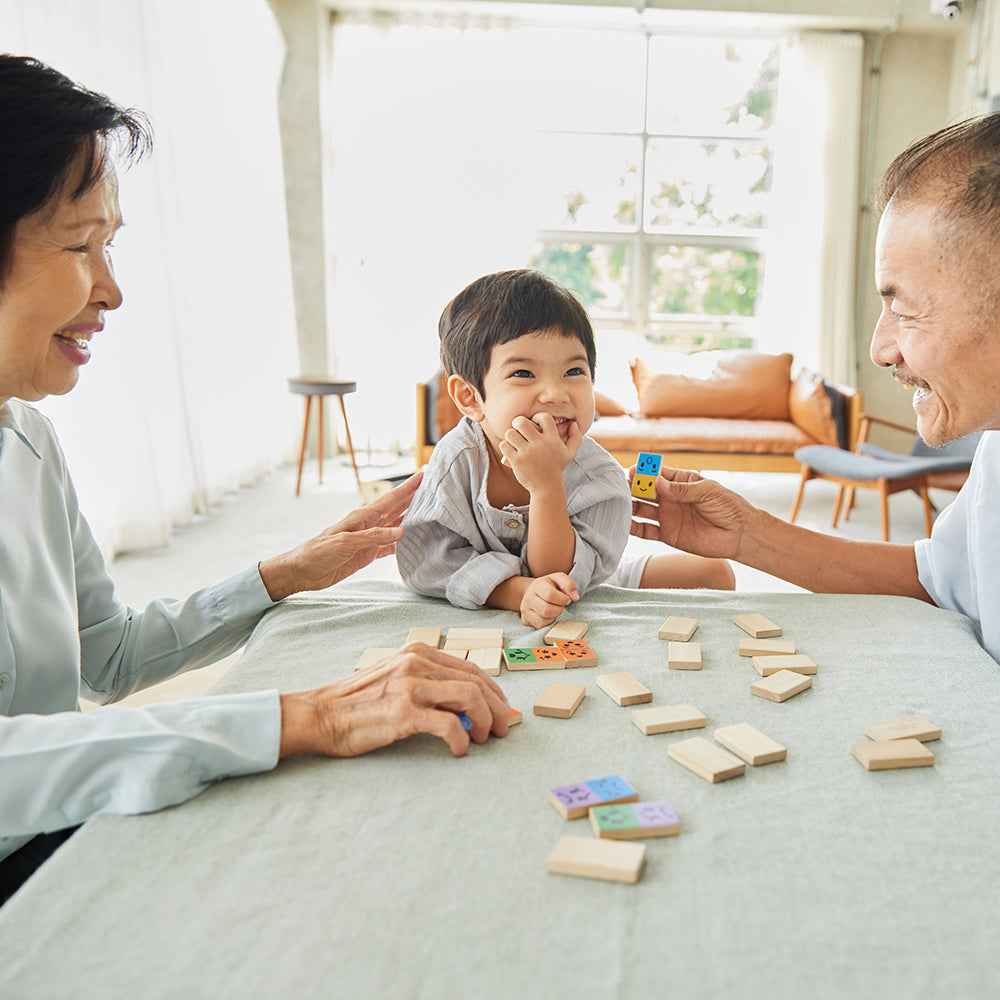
[512,523]
[4,680]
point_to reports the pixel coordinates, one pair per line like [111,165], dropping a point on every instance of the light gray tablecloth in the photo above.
[408,873]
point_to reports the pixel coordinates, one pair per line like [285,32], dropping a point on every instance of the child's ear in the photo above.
[465,397]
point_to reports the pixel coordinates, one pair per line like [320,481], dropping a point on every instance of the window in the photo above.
[654,170]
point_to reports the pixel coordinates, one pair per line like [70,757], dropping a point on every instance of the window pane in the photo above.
[711,86]
[704,281]
[706,184]
[583,81]
[587,182]
[599,274]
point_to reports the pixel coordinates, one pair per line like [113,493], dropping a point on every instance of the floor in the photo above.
[269,518]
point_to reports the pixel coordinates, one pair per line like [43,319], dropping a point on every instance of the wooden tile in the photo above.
[766,647]
[706,759]
[644,486]
[577,653]
[757,626]
[624,689]
[559,701]
[573,801]
[550,655]
[514,717]
[750,744]
[913,727]
[373,654]
[648,463]
[781,686]
[565,631]
[473,638]
[520,658]
[883,755]
[431,634]
[767,665]
[632,820]
[589,857]
[678,629]
[684,656]
[488,660]
[668,719]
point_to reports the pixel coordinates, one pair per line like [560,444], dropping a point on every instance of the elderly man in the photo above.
[938,273]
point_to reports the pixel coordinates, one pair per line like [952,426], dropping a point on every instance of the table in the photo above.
[319,386]
[408,873]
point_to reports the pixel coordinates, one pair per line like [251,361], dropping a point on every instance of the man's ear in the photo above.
[465,397]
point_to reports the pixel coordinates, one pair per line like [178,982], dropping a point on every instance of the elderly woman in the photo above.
[61,627]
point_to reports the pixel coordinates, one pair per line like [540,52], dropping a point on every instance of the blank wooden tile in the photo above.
[431,634]
[573,801]
[913,727]
[757,626]
[577,653]
[706,759]
[766,647]
[884,755]
[668,719]
[473,638]
[781,686]
[767,665]
[373,654]
[590,857]
[684,656]
[634,820]
[624,689]
[750,744]
[559,701]
[488,660]
[678,629]
[564,631]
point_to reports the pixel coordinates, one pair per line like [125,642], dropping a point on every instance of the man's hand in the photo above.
[536,452]
[417,690]
[545,597]
[333,555]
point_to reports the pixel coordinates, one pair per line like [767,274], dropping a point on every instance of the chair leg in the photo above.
[851,494]
[350,445]
[319,437]
[806,476]
[883,488]
[928,518]
[837,507]
[305,439]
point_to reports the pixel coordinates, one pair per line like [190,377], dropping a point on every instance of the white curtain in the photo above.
[809,286]
[185,396]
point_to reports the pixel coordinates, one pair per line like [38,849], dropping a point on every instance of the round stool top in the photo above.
[320,385]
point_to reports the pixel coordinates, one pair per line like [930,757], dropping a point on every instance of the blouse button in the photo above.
[512,523]
[4,680]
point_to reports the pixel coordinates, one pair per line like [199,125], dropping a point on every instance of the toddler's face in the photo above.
[542,372]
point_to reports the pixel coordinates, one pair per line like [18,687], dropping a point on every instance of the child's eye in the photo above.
[521,373]
[576,371]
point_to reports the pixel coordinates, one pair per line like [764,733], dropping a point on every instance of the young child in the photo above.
[517,508]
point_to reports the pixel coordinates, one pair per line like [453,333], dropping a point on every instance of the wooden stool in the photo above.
[320,386]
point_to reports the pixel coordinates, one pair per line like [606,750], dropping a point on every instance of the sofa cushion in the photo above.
[810,408]
[607,406]
[743,384]
[699,434]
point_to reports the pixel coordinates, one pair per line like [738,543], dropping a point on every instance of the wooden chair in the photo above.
[870,467]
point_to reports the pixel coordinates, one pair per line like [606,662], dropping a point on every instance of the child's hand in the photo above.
[545,599]
[537,450]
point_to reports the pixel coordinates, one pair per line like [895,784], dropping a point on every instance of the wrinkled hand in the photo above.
[417,690]
[691,513]
[535,451]
[333,555]
[545,598]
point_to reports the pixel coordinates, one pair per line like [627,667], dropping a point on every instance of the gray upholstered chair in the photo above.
[870,467]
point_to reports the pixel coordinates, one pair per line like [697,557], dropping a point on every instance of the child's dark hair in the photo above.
[501,307]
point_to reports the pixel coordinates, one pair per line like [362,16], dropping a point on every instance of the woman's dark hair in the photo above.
[46,123]
[498,308]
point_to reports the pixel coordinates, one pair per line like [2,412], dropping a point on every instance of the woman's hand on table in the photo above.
[416,690]
[694,514]
[364,535]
